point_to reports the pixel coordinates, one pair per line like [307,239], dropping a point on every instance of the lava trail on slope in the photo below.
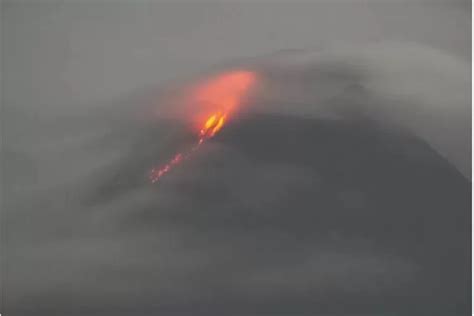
[212,102]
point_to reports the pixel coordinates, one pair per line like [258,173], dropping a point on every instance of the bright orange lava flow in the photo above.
[212,125]
[216,100]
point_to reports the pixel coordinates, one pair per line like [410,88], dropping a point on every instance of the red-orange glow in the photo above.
[219,97]
[211,103]
[213,124]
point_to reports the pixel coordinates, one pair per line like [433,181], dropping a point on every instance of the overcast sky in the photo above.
[67,53]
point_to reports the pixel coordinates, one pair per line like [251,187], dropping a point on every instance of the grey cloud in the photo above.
[311,202]
[246,227]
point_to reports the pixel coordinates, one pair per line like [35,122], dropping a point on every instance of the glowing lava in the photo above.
[211,104]
[213,124]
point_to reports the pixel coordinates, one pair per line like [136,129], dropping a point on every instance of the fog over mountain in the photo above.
[341,188]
